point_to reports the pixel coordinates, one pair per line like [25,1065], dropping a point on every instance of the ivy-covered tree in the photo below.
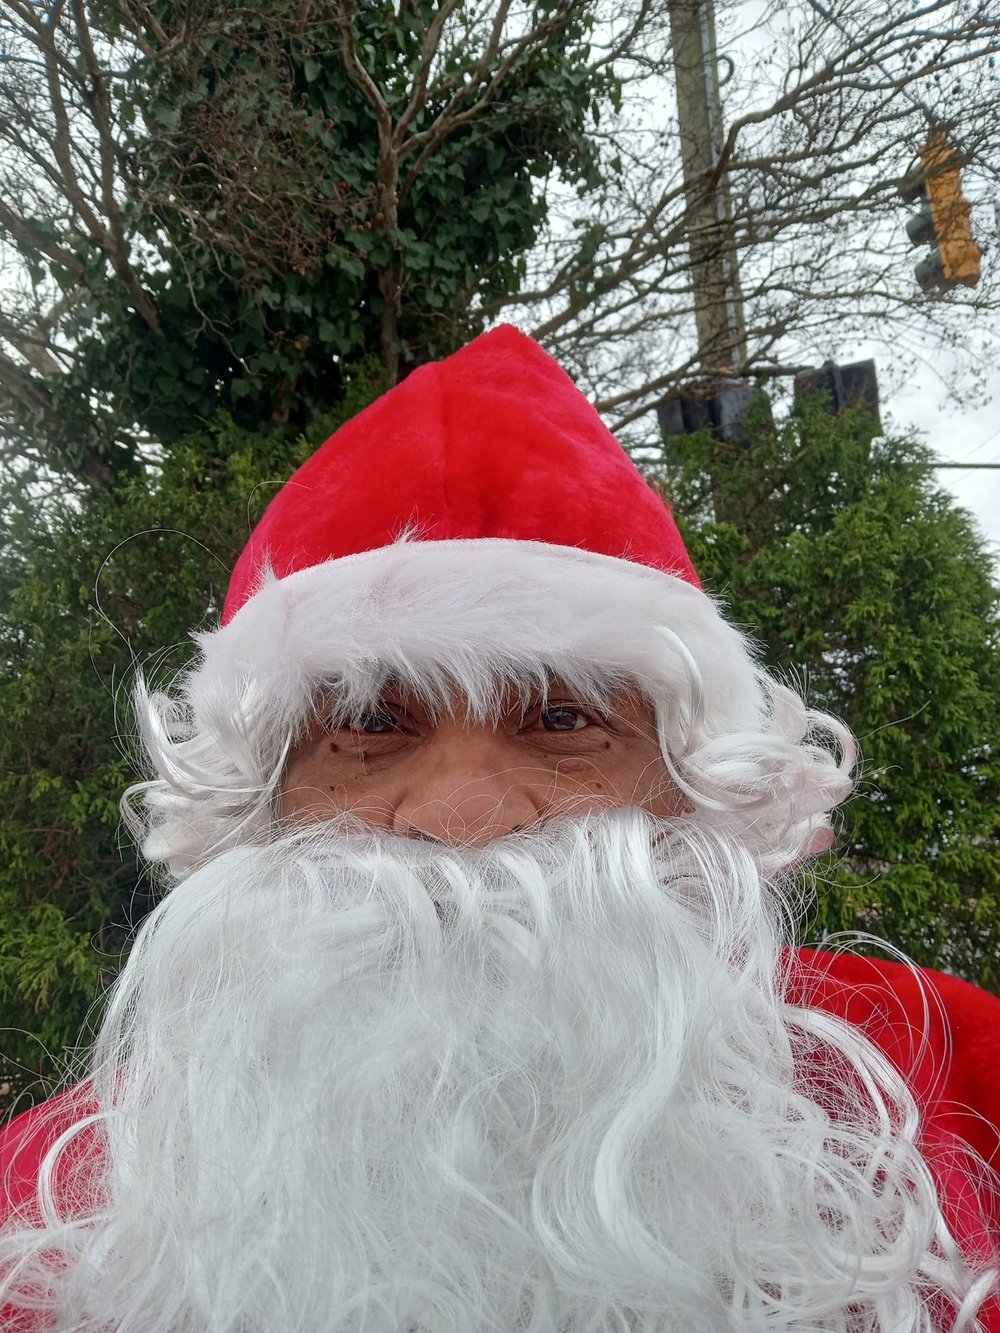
[869,586]
[220,206]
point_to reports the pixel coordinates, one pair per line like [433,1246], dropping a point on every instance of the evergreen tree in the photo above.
[866,583]
[90,590]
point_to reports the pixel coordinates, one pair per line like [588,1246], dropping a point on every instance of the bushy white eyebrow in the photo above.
[339,700]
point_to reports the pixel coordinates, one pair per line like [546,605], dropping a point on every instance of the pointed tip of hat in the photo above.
[506,343]
[494,441]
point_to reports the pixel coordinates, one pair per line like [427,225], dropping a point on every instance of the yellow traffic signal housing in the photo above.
[951,211]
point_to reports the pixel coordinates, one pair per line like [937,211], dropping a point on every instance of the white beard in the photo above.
[356,1084]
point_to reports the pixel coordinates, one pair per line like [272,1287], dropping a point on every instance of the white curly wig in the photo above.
[475,617]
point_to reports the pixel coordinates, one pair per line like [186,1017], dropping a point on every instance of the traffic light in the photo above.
[842,387]
[718,404]
[944,221]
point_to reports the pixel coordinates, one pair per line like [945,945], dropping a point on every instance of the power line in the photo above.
[982,444]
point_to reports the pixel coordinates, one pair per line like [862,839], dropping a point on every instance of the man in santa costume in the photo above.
[473,1005]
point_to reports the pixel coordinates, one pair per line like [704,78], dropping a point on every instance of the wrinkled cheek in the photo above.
[642,783]
[578,787]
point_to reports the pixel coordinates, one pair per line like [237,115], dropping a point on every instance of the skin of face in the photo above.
[463,783]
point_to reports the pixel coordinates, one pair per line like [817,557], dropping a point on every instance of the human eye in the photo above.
[563,717]
[382,720]
[560,717]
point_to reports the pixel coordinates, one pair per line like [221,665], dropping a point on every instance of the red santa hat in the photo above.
[493,444]
[479,517]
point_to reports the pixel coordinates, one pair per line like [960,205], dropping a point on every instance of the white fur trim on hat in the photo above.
[478,609]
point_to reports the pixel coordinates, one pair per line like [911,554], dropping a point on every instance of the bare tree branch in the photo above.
[428,50]
[388,184]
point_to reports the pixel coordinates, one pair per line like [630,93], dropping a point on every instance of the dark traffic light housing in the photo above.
[718,405]
[842,387]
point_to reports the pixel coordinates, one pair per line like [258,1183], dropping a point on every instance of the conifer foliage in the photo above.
[91,590]
[868,585]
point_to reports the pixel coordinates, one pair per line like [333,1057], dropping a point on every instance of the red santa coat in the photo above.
[950,1055]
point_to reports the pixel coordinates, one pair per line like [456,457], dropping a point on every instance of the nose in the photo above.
[463,790]
[471,820]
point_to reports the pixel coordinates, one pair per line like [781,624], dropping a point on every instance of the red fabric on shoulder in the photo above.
[943,1036]
[24,1143]
[28,1137]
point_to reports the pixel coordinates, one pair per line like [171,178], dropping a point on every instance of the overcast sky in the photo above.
[967,435]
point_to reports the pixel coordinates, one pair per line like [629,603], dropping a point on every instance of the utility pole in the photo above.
[721,399]
[714,268]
